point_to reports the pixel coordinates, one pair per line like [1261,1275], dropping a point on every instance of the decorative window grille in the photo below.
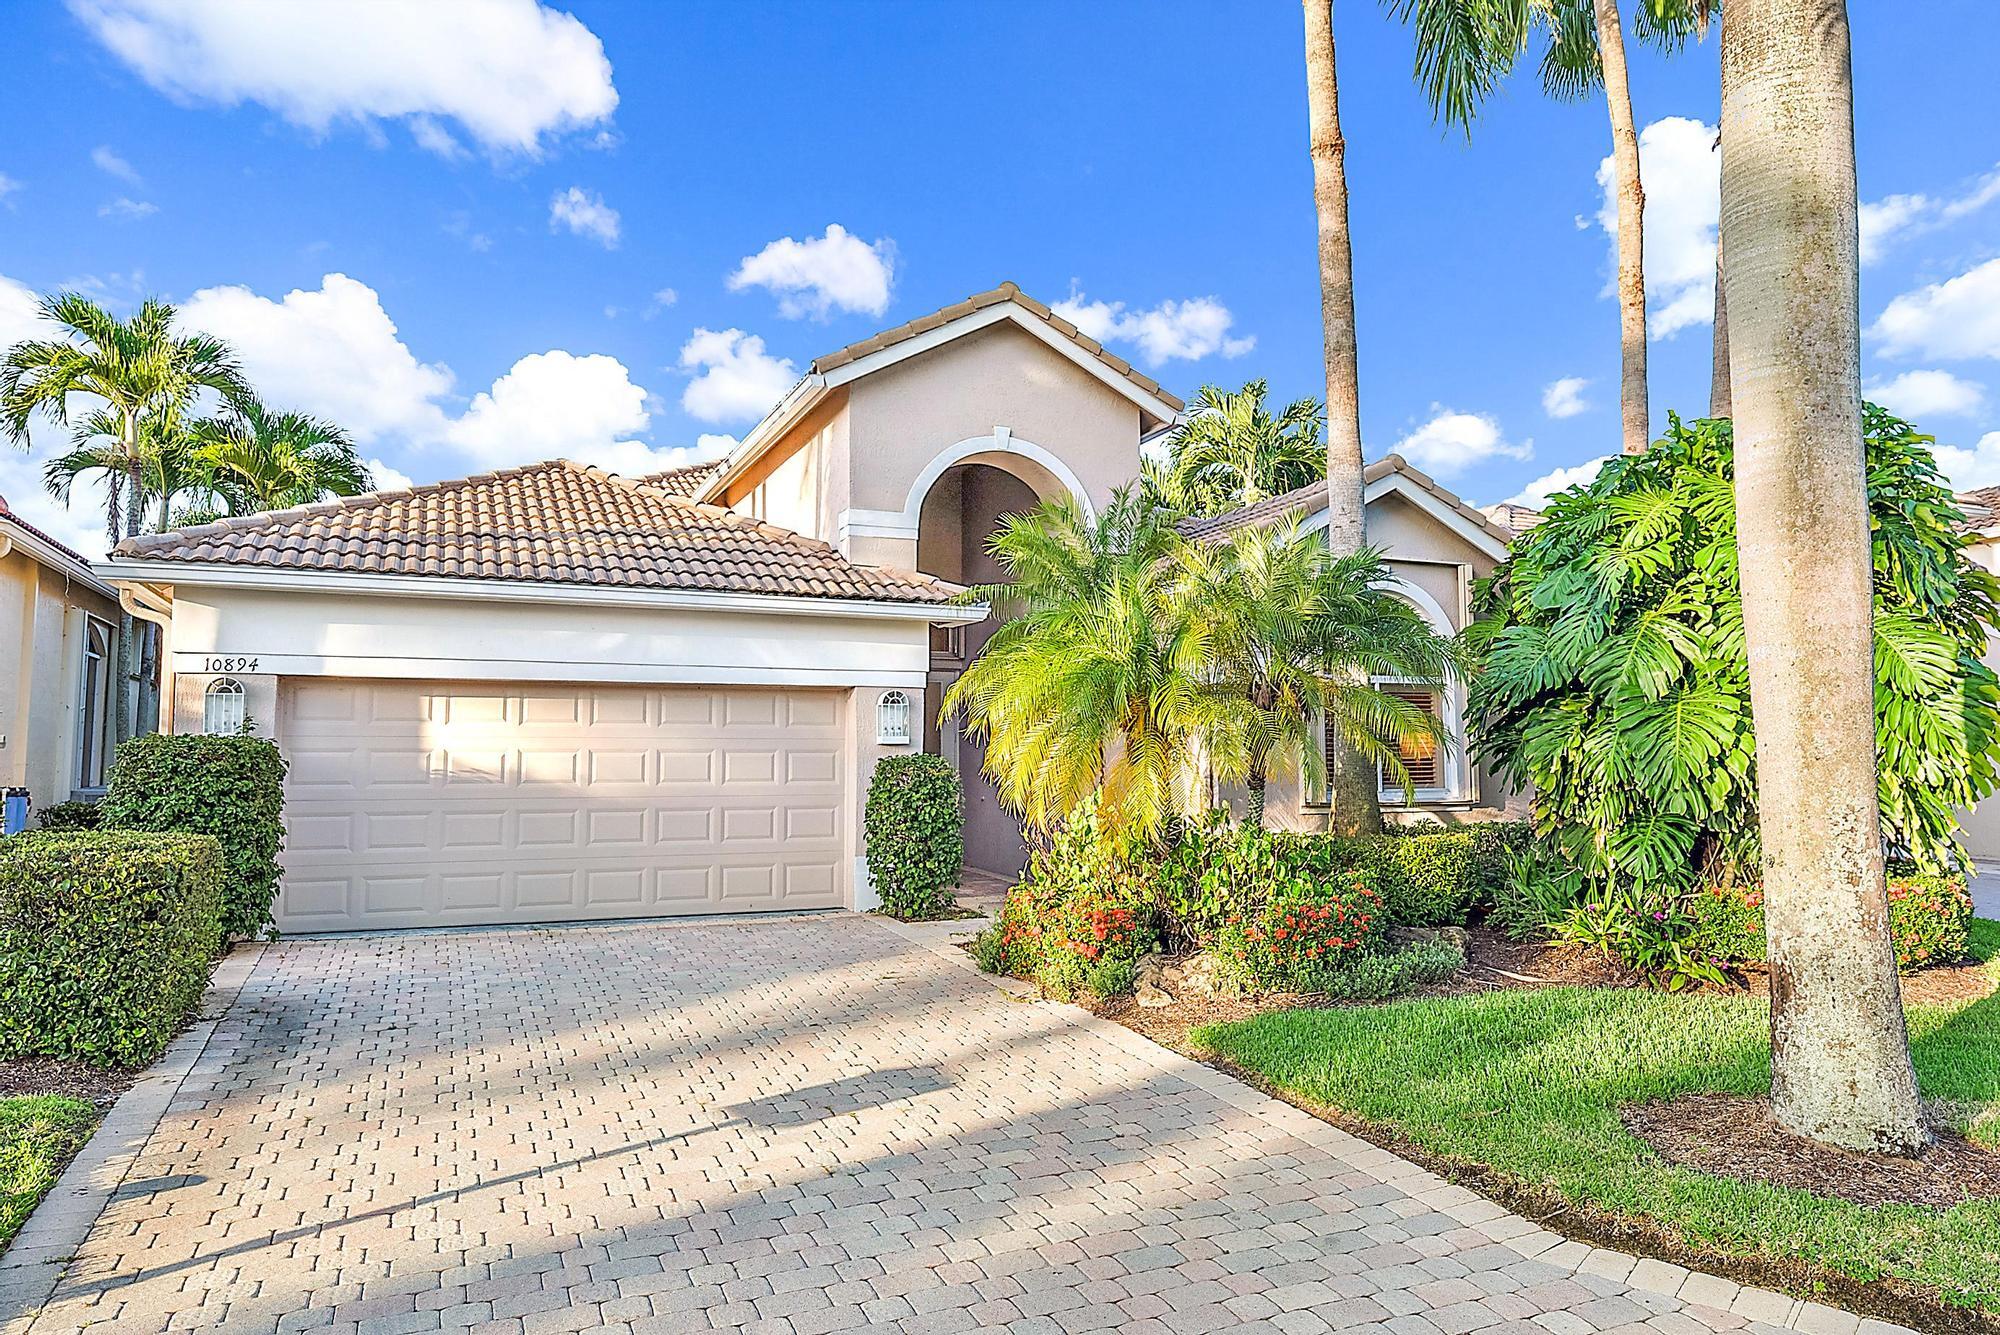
[892,719]
[222,708]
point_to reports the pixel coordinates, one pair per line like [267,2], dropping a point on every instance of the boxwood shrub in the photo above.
[1930,917]
[914,825]
[106,941]
[70,816]
[230,787]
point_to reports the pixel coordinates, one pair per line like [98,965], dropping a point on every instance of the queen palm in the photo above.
[256,458]
[1230,450]
[1290,638]
[1091,685]
[132,368]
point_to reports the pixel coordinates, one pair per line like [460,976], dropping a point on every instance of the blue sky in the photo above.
[485,234]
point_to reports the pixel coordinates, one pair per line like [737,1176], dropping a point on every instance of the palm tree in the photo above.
[259,459]
[133,367]
[1357,808]
[169,468]
[1230,451]
[1089,686]
[1290,638]
[1840,1059]
[1465,48]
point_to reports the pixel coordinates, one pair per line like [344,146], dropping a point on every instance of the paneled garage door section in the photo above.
[417,805]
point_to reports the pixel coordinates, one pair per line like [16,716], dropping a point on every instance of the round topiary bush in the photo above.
[914,826]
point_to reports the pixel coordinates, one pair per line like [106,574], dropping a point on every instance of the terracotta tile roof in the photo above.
[980,301]
[686,481]
[556,522]
[1982,509]
[1516,519]
[7,513]
[1312,497]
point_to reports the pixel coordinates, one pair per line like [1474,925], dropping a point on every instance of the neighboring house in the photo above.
[59,630]
[552,693]
[1435,546]
[1980,827]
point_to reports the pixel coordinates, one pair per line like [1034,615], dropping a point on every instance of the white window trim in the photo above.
[885,703]
[219,689]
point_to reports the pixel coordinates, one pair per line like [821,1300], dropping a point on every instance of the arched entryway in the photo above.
[963,501]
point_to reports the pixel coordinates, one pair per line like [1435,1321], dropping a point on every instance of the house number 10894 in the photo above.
[228,665]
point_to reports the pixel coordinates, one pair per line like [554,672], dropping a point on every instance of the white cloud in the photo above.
[1976,467]
[1954,320]
[111,164]
[585,213]
[662,299]
[459,224]
[511,73]
[388,477]
[81,524]
[735,380]
[1564,397]
[1536,494]
[1885,220]
[1682,176]
[8,185]
[1920,394]
[1452,442]
[130,210]
[822,274]
[333,352]
[558,405]
[1173,330]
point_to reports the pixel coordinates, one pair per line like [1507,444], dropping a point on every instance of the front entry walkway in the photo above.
[792,1126]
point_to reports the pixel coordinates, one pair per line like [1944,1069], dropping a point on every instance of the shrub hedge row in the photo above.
[106,941]
[1930,918]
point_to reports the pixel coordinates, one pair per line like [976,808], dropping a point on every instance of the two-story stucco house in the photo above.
[552,693]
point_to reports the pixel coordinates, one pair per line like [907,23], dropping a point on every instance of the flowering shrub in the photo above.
[1081,905]
[1929,916]
[1304,931]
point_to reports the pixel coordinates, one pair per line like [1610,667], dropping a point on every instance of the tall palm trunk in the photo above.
[128,656]
[1840,1060]
[1633,409]
[1352,783]
[1718,376]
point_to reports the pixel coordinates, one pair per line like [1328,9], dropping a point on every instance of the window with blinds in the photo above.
[1421,755]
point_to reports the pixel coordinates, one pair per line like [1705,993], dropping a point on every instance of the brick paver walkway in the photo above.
[799,1126]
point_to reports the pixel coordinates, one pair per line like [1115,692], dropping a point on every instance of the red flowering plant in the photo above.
[1929,917]
[1082,904]
[1308,928]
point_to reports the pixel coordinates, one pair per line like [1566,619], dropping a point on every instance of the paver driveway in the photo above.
[805,1125]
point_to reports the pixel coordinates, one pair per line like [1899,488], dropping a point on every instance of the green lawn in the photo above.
[37,1137]
[1530,1083]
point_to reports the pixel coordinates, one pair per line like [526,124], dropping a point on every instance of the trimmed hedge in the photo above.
[914,825]
[71,816]
[230,787]
[1930,918]
[106,941]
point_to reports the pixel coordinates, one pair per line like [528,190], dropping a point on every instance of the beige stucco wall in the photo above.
[42,613]
[1980,826]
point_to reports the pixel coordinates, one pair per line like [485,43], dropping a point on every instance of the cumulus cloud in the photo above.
[1893,217]
[111,164]
[822,274]
[388,477]
[1975,467]
[127,210]
[509,73]
[1451,442]
[1171,331]
[1957,319]
[1920,394]
[1682,174]
[332,351]
[1536,494]
[80,525]
[558,405]
[585,213]
[735,379]
[1564,397]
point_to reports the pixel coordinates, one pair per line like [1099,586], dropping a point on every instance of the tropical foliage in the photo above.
[1230,450]
[255,458]
[913,827]
[1615,681]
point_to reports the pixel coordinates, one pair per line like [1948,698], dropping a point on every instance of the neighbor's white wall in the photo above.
[1980,826]
[41,628]
[292,633]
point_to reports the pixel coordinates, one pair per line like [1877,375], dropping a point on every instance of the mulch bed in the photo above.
[1731,1135]
[47,1075]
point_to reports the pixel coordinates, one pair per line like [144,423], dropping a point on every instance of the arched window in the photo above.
[892,719]
[222,708]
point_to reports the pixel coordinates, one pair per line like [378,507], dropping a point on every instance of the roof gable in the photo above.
[1389,474]
[557,523]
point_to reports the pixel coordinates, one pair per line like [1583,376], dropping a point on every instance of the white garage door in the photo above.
[434,804]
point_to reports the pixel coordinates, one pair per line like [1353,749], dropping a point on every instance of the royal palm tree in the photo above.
[1465,48]
[1231,451]
[1840,1059]
[259,459]
[132,368]
[1290,638]
[1357,808]
[1090,686]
